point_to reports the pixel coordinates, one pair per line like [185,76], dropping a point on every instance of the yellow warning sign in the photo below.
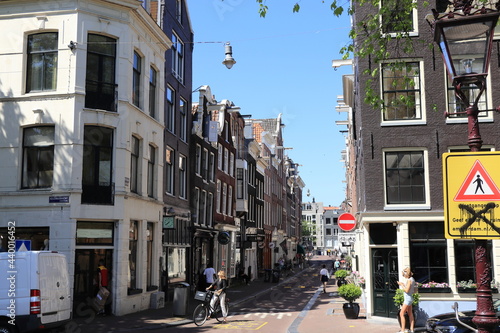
[471,195]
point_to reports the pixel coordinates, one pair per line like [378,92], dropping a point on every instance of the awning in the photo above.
[300,249]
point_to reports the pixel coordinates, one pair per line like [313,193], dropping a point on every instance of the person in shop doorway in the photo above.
[210,275]
[103,281]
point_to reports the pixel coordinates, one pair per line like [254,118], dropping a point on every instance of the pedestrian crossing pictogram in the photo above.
[478,186]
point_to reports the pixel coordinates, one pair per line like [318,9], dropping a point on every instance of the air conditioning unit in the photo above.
[157,300]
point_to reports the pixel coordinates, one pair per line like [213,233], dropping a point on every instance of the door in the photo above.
[385,277]
[86,285]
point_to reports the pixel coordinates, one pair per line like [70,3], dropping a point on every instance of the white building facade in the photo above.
[81,123]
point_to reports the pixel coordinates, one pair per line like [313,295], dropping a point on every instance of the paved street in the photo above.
[295,304]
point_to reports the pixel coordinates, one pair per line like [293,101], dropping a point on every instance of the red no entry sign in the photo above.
[347,222]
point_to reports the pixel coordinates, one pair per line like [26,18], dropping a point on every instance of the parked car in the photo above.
[448,322]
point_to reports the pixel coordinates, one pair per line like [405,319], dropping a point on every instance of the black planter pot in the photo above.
[351,310]
[341,282]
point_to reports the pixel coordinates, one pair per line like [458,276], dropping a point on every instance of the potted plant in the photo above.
[350,292]
[398,301]
[340,275]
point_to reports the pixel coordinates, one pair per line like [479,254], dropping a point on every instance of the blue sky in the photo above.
[283,65]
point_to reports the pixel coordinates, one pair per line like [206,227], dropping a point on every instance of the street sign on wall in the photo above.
[347,237]
[347,222]
[471,194]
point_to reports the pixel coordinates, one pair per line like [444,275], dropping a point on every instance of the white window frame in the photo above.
[170,109]
[169,170]
[423,113]
[483,117]
[182,177]
[413,33]
[406,206]
[177,58]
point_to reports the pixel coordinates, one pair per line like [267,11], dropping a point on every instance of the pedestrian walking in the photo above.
[408,288]
[336,264]
[210,275]
[220,286]
[324,277]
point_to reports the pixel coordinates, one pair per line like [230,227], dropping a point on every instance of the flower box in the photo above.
[434,290]
[473,290]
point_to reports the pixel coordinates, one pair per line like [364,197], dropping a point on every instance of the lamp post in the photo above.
[461,34]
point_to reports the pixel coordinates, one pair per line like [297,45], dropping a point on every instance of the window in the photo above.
[204,164]
[196,204]
[220,166]
[469,90]
[178,10]
[239,183]
[149,254]
[151,171]
[328,221]
[136,80]
[134,164]
[210,207]
[230,201]
[97,165]
[183,119]
[153,74]
[42,62]
[177,58]
[224,199]
[231,164]
[211,167]
[198,159]
[100,87]
[465,268]
[132,255]
[169,171]
[428,251]
[38,157]
[218,198]
[182,177]
[405,177]
[398,16]
[202,207]
[226,161]
[328,232]
[401,91]
[170,112]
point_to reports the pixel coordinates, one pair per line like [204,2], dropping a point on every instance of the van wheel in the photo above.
[6,328]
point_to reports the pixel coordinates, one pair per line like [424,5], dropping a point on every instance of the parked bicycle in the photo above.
[203,311]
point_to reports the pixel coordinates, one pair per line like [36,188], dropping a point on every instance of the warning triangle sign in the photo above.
[478,186]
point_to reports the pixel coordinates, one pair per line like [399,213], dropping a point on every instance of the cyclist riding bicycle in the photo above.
[219,286]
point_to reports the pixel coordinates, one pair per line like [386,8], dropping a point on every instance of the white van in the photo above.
[34,291]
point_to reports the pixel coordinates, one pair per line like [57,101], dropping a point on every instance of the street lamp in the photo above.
[465,37]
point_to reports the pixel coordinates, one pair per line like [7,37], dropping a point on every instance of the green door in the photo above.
[385,277]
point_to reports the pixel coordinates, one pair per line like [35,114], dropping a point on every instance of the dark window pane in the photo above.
[42,62]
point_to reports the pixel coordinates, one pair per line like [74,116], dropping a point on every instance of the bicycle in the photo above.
[202,311]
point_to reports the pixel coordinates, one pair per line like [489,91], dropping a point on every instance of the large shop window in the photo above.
[38,157]
[132,257]
[465,268]
[39,237]
[176,264]
[428,252]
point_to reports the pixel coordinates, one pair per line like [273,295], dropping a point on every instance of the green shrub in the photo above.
[350,292]
[341,274]
[399,298]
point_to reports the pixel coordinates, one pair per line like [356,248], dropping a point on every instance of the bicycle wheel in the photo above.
[218,312]
[200,315]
